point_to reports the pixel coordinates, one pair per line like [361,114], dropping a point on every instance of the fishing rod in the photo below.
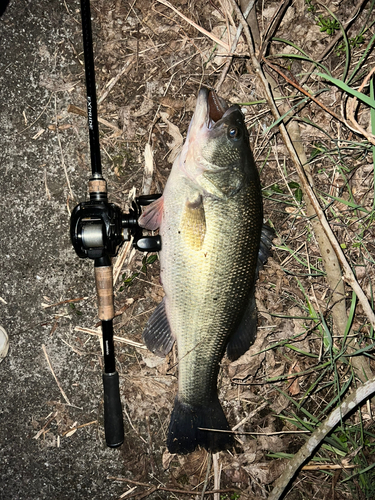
[97,230]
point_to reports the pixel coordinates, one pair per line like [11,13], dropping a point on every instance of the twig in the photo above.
[303,91]
[128,492]
[62,302]
[352,105]
[199,28]
[348,274]
[40,432]
[217,473]
[132,426]
[233,47]
[329,466]
[121,259]
[81,112]
[125,69]
[352,401]
[249,416]
[54,376]
[209,460]
[33,123]
[115,337]
[146,493]
[173,490]
[245,433]
[273,25]
[79,427]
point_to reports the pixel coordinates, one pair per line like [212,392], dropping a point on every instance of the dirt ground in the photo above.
[51,401]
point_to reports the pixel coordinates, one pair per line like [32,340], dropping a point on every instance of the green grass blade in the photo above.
[310,426]
[303,58]
[346,41]
[304,353]
[343,86]
[363,58]
[348,203]
[338,397]
[363,471]
[328,341]
[275,123]
[358,352]
[372,119]
[350,317]
[299,259]
[288,42]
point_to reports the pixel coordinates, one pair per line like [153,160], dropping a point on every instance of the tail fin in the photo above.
[185,434]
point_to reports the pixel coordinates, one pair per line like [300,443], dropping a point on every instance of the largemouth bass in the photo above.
[210,221]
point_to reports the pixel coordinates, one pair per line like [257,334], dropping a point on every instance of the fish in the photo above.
[210,219]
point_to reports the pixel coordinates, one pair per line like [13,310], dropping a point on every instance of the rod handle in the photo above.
[113,419]
[104,289]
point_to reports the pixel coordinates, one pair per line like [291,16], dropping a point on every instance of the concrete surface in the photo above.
[39,74]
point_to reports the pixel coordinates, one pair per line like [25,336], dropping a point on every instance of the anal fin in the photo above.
[157,335]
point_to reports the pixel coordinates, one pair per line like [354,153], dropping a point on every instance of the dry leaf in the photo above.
[266,472]
[144,108]
[294,388]
[174,132]
[70,433]
[167,459]
[247,365]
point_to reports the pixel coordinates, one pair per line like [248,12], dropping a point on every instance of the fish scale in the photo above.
[210,219]
[195,280]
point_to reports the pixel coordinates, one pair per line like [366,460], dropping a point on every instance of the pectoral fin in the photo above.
[193,224]
[152,215]
[157,335]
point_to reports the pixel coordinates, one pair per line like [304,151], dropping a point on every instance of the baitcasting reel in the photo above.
[98,228]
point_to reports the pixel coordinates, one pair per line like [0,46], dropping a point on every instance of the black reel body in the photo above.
[98,228]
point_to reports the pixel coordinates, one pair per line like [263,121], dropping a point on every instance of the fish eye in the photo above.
[234,133]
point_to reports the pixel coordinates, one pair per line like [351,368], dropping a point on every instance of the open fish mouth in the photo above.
[209,111]
[216,108]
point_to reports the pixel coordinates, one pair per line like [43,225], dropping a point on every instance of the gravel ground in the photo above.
[39,43]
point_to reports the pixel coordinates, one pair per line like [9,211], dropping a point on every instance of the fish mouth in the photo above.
[216,107]
[209,113]
[210,109]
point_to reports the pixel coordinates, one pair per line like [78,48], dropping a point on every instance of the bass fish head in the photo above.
[217,153]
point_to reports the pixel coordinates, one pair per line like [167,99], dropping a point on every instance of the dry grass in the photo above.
[150,61]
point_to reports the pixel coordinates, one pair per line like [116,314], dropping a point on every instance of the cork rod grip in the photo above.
[104,289]
[97,186]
